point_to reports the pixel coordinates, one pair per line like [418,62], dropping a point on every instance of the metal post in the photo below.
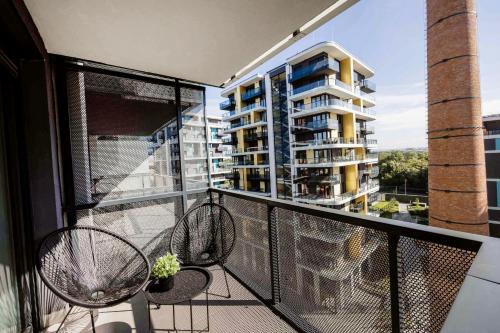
[273,254]
[394,282]
[180,140]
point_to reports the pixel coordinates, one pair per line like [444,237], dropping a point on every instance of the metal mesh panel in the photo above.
[250,257]
[124,138]
[430,276]
[333,276]
[196,199]
[148,224]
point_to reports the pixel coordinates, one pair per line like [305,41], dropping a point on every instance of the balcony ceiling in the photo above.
[201,41]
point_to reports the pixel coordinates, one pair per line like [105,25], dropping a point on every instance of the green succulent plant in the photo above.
[165,266]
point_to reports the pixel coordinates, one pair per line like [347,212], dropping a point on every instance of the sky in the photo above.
[389,36]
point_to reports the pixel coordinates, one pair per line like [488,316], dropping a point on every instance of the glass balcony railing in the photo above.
[367,141]
[258,176]
[368,97]
[261,104]
[227,104]
[252,93]
[242,122]
[249,150]
[321,66]
[367,86]
[317,125]
[326,103]
[330,159]
[329,141]
[255,136]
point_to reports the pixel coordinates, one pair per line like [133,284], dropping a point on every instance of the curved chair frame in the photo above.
[221,261]
[73,301]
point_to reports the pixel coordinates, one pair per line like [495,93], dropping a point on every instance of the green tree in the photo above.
[396,166]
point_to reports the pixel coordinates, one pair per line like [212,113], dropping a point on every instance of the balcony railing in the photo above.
[329,141]
[261,104]
[317,125]
[367,141]
[303,268]
[255,136]
[258,176]
[331,159]
[243,122]
[367,86]
[369,97]
[323,104]
[252,93]
[319,179]
[250,150]
[331,271]
[227,104]
[326,64]
[319,84]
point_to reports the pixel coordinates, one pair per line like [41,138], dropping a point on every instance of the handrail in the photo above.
[462,240]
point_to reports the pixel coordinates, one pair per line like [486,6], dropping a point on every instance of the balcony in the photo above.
[250,150]
[254,106]
[325,143]
[316,125]
[246,123]
[327,161]
[255,136]
[319,179]
[340,107]
[327,66]
[258,176]
[252,93]
[234,176]
[227,104]
[367,86]
[367,130]
[346,89]
[375,274]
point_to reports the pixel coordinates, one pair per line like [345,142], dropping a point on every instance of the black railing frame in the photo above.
[394,230]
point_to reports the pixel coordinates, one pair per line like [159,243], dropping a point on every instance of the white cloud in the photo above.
[491,106]
[401,116]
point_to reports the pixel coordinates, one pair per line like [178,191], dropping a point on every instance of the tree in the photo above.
[397,166]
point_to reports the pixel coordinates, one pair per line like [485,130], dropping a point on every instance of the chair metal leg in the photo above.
[225,278]
[173,315]
[208,315]
[92,320]
[149,318]
[191,314]
[66,316]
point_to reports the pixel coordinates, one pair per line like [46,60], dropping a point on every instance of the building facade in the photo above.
[219,152]
[301,131]
[492,156]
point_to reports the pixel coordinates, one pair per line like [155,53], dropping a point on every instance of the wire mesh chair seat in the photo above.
[204,236]
[91,267]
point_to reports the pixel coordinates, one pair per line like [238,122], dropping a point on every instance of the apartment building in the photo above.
[219,152]
[491,125]
[246,114]
[302,131]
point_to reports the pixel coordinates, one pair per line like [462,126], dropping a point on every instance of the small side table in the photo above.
[189,282]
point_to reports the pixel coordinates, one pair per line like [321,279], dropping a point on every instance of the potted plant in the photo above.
[164,270]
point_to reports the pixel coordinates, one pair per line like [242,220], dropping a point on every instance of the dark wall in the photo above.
[492,165]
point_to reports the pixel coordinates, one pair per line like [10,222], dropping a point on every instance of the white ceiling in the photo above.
[205,41]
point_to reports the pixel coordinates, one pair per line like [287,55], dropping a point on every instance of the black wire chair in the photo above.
[204,236]
[91,267]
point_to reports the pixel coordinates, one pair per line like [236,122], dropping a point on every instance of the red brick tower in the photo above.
[457,176]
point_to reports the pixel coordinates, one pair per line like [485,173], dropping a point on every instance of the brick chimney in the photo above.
[457,176]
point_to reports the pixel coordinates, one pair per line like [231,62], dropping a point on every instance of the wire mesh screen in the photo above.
[250,257]
[124,137]
[196,199]
[333,275]
[147,224]
[430,276]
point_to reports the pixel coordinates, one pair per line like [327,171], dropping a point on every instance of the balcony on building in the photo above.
[227,104]
[233,175]
[332,104]
[335,142]
[326,65]
[367,86]
[338,87]
[258,176]
[250,150]
[244,111]
[252,93]
[316,125]
[314,178]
